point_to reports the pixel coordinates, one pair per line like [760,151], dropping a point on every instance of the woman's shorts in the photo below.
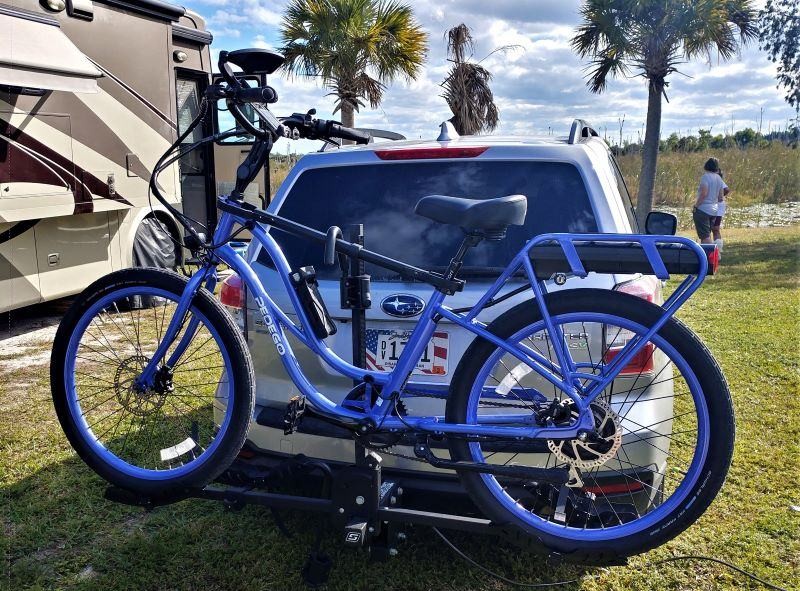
[716,222]
[702,223]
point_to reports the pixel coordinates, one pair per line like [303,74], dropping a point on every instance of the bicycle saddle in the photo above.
[492,215]
[256,61]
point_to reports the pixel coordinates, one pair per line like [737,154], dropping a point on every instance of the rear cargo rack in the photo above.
[601,256]
[578,254]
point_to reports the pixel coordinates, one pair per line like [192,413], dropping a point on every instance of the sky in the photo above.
[539,85]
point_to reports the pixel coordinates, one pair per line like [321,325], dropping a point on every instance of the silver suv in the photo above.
[572,184]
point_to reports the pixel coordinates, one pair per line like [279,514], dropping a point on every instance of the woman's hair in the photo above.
[712,165]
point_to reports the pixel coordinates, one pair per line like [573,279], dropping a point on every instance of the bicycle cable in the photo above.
[647,565]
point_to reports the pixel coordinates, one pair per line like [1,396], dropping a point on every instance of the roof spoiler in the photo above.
[581,131]
[383,134]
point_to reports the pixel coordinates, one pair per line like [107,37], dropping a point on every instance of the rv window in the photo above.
[223,120]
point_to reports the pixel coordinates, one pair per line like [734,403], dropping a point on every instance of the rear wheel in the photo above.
[663,438]
[185,429]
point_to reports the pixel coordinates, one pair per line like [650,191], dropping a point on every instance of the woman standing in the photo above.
[706,204]
[722,205]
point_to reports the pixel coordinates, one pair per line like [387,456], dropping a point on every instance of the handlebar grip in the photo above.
[347,133]
[260,94]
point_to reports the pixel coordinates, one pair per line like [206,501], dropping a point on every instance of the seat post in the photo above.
[470,239]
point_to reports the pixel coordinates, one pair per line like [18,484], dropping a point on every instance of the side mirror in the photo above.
[659,222]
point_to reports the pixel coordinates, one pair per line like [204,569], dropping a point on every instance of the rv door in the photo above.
[196,167]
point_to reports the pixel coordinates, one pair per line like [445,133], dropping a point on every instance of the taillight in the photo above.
[713,260]
[647,287]
[430,153]
[615,488]
[231,292]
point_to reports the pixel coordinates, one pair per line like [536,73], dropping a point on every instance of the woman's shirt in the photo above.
[713,182]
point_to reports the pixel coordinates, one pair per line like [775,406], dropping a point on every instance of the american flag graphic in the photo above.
[437,352]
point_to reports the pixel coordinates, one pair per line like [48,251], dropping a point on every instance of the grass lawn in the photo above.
[59,533]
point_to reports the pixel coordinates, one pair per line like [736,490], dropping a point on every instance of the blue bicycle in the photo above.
[591,420]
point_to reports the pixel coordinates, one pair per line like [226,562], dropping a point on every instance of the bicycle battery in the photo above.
[307,288]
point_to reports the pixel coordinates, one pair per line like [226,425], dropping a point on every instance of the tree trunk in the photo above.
[348,118]
[647,177]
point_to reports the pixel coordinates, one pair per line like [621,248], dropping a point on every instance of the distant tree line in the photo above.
[704,140]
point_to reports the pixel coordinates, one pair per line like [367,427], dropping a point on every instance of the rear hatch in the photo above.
[382,196]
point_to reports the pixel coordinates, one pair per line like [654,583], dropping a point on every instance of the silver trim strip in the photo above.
[136,95]
[29,15]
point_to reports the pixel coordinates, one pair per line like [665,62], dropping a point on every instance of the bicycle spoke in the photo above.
[639,441]
[146,426]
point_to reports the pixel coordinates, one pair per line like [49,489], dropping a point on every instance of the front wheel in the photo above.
[664,428]
[186,428]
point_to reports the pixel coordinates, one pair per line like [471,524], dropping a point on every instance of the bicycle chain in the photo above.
[386,450]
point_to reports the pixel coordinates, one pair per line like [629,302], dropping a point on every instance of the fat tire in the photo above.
[241,366]
[697,356]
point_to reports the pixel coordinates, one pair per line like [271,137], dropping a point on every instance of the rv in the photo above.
[92,92]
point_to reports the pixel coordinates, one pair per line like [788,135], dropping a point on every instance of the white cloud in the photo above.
[539,87]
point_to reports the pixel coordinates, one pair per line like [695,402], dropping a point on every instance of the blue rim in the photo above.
[86,434]
[612,532]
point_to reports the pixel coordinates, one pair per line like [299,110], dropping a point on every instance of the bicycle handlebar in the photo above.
[348,133]
[259,94]
[306,127]
[238,94]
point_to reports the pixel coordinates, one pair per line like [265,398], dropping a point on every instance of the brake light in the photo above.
[615,488]
[430,153]
[647,288]
[231,292]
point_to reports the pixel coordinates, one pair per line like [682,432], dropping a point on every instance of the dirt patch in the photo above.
[23,359]
[32,326]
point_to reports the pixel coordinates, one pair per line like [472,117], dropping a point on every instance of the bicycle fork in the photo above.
[147,379]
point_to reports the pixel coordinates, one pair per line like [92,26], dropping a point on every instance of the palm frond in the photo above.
[654,37]
[459,42]
[470,98]
[355,47]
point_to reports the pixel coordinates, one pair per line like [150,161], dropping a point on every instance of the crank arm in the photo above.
[558,476]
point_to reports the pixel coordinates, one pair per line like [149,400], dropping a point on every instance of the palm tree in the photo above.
[466,88]
[356,47]
[653,37]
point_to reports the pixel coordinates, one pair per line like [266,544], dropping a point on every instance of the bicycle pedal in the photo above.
[294,414]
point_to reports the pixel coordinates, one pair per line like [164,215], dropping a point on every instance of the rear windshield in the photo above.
[382,197]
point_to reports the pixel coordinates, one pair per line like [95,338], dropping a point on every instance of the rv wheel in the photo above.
[154,246]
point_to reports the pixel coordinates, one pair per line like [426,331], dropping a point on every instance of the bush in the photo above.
[765,175]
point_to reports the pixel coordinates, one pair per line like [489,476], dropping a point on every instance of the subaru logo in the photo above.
[402,305]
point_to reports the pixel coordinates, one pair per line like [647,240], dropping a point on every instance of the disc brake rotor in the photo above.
[138,402]
[596,450]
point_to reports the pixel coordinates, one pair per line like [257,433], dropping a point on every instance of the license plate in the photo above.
[384,348]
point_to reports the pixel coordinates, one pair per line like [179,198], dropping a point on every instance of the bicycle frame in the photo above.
[563,373]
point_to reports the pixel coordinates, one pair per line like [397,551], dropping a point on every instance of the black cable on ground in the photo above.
[497,575]
[570,581]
